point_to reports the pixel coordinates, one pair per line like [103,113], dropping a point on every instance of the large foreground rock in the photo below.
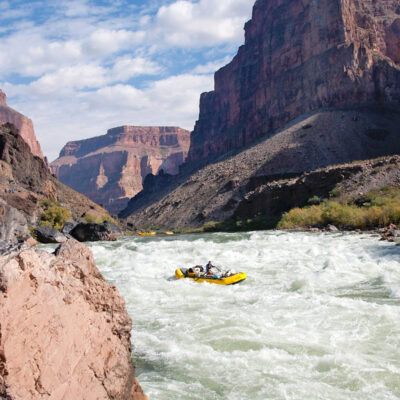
[64,331]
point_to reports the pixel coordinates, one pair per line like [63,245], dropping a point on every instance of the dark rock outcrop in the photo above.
[22,123]
[45,234]
[25,180]
[95,232]
[110,169]
[64,331]
[13,224]
[298,57]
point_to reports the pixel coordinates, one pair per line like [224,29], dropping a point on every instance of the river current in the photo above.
[317,318]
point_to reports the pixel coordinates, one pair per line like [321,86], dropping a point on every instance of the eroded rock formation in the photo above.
[110,169]
[300,56]
[25,180]
[64,331]
[22,123]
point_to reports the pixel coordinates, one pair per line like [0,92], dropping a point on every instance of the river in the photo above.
[317,318]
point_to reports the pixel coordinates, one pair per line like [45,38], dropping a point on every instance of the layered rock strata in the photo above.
[300,56]
[64,331]
[22,123]
[110,169]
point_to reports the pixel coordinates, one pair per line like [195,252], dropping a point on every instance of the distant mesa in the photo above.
[110,169]
[22,123]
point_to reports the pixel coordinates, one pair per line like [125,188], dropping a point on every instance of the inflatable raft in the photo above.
[198,275]
[147,233]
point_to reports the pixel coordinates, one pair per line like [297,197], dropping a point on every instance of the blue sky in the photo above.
[79,67]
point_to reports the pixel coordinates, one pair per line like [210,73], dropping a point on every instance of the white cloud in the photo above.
[205,23]
[78,115]
[87,68]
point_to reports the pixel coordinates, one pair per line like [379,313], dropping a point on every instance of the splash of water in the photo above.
[317,318]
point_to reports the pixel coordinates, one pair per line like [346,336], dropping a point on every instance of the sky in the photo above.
[80,67]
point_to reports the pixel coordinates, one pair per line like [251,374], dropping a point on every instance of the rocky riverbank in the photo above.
[64,331]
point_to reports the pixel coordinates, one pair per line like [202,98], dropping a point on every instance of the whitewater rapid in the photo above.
[317,318]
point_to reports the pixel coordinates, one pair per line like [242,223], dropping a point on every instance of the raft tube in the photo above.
[182,273]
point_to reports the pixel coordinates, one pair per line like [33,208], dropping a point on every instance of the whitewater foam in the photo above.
[317,318]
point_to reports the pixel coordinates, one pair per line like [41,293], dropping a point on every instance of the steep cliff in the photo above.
[110,169]
[300,56]
[316,83]
[25,180]
[22,123]
[64,331]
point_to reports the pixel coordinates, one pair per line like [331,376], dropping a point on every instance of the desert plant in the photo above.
[55,217]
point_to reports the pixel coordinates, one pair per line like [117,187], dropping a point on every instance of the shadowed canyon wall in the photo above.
[110,169]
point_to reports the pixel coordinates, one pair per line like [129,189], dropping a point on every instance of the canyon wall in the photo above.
[301,56]
[110,169]
[22,123]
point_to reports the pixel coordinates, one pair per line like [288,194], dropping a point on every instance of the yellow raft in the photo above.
[197,274]
[146,233]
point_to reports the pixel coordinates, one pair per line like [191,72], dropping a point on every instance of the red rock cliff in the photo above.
[64,331]
[110,169]
[22,123]
[301,56]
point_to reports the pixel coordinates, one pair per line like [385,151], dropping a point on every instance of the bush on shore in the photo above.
[54,215]
[377,208]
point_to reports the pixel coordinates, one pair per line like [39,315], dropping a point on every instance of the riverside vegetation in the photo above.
[374,209]
[377,208]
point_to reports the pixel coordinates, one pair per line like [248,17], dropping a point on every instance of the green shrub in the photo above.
[377,208]
[93,219]
[55,217]
[314,201]
[298,217]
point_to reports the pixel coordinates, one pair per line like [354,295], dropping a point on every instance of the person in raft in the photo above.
[209,271]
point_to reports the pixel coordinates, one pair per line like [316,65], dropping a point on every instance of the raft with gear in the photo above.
[198,274]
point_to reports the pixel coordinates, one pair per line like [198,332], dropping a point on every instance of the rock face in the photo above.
[214,192]
[300,56]
[95,232]
[13,224]
[22,123]
[110,169]
[64,331]
[26,179]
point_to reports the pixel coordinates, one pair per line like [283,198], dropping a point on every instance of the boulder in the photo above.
[90,232]
[13,224]
[68,226]
[332,228]
[64,331]
[45,234]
